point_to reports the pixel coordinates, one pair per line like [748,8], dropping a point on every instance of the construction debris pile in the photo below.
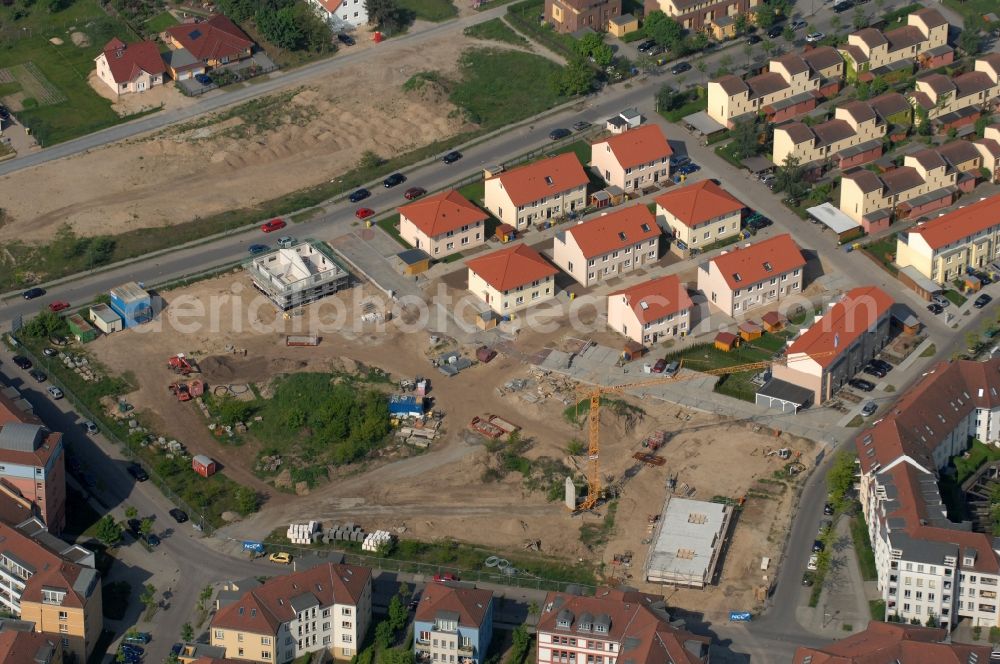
[80,366]
[492,426]
[541,385]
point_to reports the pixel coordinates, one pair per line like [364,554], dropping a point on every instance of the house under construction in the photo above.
[297,275]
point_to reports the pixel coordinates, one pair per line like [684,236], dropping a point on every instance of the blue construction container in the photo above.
[405,405]
[132,303]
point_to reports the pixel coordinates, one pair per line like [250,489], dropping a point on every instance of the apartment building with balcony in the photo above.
[442,224]
[853,137]
[613,626]
[697,215]
[894,642]
[954,102]
[699,15]
[943,249]
[928,180]
[546,189]
[751,276]
[839,343]
[512,279]
[652,311]
[634,159]
[53,585]
[453,625]
[928,567]
[608,246]
[325,608]
[794,84]
[923,41]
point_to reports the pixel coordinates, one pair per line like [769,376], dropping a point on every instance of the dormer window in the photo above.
[737,277]
[621,236]
[767,267]
[548,180]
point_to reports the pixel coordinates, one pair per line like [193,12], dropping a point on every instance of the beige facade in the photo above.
[853,124]
[547,189]
[652,311]
[635,159]
[747,278]
[869,49]
[77,628]
[943,249]
[864,193]
[140,83]
[558,204]
[989,150]
[465,237]
[608,246]
[515,299]
[704,233]
[942,96]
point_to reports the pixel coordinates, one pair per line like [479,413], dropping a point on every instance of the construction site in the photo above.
[482,432]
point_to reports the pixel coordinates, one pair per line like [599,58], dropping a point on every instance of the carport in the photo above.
[757,164]
[703,124]
[783,396]
[834,219]
[912,278]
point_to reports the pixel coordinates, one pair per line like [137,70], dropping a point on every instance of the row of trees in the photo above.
[288,24]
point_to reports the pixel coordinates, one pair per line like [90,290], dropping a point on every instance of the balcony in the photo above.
[467,651]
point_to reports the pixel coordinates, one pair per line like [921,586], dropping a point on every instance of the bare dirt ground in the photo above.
[317,134]
[166,96]
[441,493]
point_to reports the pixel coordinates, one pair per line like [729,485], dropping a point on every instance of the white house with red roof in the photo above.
[512,279]
[839,343]
[943,249]
[442,224]
[632,160]
[609,246]
[652,311]
[698,215]
[127,68]
[341,14]
[754,275]
[546,189]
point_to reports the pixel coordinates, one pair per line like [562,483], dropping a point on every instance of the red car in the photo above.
[273,225]
[58,305]
[440,578]
[364,213]
[414,192]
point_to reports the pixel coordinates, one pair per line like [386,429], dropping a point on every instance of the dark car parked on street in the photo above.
[452,157]
[393,180]
[556,134]
[345,39]
[359,195]
[861,384]
[982,301]
[180,516]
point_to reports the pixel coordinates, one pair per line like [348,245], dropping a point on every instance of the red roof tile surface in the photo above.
[615,231]
[443,212]
[471,604]
[511,267]
[657,298]
[128,61]
[759,261]
[17,647]
[960,223]
[842,324]
[214,39]
[642,145]
[699,202]
[885,643]
[547,177]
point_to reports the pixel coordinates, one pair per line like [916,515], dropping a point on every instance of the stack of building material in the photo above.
[347,533]
[304,533]
[376,540]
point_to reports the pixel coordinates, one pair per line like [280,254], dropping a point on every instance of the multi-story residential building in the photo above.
[453,625]
[924,40]
[989,150]
[549,188]
[512,279]
[33,463]
[853,137]
[442,224]
[570,16]
[699,15]
[955,102]
[894,109]
[51,584]
[634,159]
[793,84]
[928,567]
[325,608]
[608,246]
[839,343]
[652,311]
[753,276]
[20,644]
[943,249]
[613,626]
[926,181]
[699,214]
[894,642]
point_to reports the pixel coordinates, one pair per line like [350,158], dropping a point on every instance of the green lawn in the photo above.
[705,357]
[161,22]
[524,17]
[978,455]
[693,106]
[429,10]
[884,251]
[496,30]
[955,297]
[969,8]
[863,547]
[474,191]
[59,104]
[391,226]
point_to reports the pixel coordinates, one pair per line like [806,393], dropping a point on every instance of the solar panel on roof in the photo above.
[194,34]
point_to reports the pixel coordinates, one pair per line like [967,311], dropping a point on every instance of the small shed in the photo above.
[971,283]
[487,320]
[723,27]
[749,330]
[906,319]
[726,341]
[104,319]
[414,261]
[406,405]
[132,303]
[203,465]
[505,233]
[600,199]
[80,328]
[622,25]
[633,351]
[773,321]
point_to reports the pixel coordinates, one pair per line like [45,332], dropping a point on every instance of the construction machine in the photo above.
[181,364]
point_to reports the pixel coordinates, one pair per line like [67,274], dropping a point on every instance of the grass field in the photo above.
[496,30]
[161,22]
[704,357]
[694,106]
[863,547]
[884,251]
[430,10]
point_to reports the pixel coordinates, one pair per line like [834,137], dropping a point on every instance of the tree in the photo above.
[745,143]
[982,123]
[836,23]
[280,27]
[148,596]
[860,18]
[766,16]
[789,179]
[576,78]
[587,44]
[397,614]
[694,43]
[664,30]
[788,34]
[740,24]
[232,411]
[146,526]
[45,325]
[187,632]
[405,592]
[131,512]
[383,635]
[100,250]
[923,121]
[109,531]
[396,656]
[247,501]
[840,479]
[970,40]
[521,641]
[701,65]
[768,45]
[385,15]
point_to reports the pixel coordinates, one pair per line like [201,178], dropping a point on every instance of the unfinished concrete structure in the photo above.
[686,547]
[297,275]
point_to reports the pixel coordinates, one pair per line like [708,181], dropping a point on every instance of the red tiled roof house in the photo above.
[453,624]
[753,276]
[634,159]
[217,41]
[549,188]
[512,279]
[892,642]
[652,311]
[609,246]
[127,68]
[442,224]
[698,215]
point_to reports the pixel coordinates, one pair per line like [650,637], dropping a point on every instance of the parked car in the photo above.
[179,515]
[414,192]
[935,308]
[818,546]
[807,579]
[581,125]
[881,364]
[138,472]
[4,113]
[828,509]
[130,656]
[688,169]
[359,195]
[660,365]
[869,408]
[22,362]
[58,306]
[152,541]
[273,225]
[445,576]
[672,368]
[364,213]
[345,39]
[982,301]
[204,79]
[452,157]
[814,37]
[798,24]
[285,241]
[39,375]
[646,45]
[754,39]
[393,180]
[138,638]
[679,160]
[255,249]
[32,293]
[680,68]
[55,392]
[281,557]
[877,372]
[941,300]
[50,352]
[90,427]
[776,30]
[131,647]
[861,384]
[843,6]
[558,133]
[813,563]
